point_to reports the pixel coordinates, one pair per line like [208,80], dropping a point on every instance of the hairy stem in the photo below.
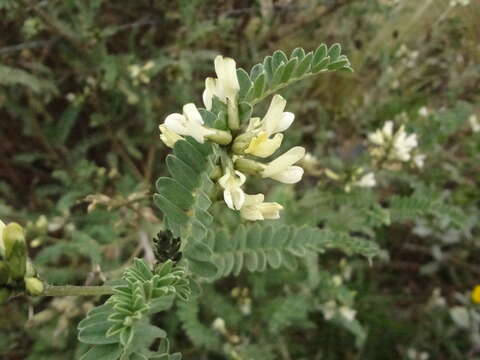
[70,290]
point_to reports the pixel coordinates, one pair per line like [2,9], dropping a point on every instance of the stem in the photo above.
[71,290]
[283,85]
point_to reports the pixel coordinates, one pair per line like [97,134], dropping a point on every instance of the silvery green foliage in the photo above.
[185,197]
[120,329]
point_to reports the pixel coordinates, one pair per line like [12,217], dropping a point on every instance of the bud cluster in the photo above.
[16,270]
[241,144]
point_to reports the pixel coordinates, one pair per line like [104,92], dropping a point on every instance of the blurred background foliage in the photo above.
[83,87]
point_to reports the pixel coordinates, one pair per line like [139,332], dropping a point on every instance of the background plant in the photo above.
[80,106]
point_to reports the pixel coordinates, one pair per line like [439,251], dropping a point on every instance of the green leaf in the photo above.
[245,112]
[258,88]
[256,71]
[319,54]
[321,65]
[268,69]
[289,70]
[198,251]
[244,82]
[103,352]
[304,65]
[171,210]
[175,192]
[96,334]
[278,58]
[203,268]
[334,52]
[298,53]
[251,261]
[182,173]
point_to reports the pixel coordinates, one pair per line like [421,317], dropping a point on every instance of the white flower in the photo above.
[168,136]
[274,121]
[225,86]
[255,209]
[337,280]
[381,136]
[329,309]
[367,180]
[347,313]
[190,123]
[219,325]
[281,168]
[233,194]
[423,111]
[460,316]
[403,144]
[474,124]
[419,160]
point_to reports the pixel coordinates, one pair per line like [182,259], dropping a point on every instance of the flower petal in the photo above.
[285,122]
[238,197]
[262,146]
[192,113]
[207,98]
[176,122]
[291,175]
[226,70]
[284,161]
[274,114]
[227,196]
[168,136]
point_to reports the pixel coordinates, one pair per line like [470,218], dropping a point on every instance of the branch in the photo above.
[70,290]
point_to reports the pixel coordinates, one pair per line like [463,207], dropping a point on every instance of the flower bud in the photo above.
[250,167]
[15,250]
[12,234]
[242,142]
[34,286]
[221,137]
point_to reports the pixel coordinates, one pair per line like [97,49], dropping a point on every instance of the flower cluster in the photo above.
[141,74]
[331,309]
[389,147]
[243,144]
[16,270]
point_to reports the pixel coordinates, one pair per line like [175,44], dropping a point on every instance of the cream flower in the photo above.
[274,121]
[403,144]
[329,309]
[168,136]
[190,123]
[255,209]
[381,136]
[474,123]
[347,313]
[399,145]
[262,146]
[233,194]
[419,160]
[225,86]
[367,180]
[281,168]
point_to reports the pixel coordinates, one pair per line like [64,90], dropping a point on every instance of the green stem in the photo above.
[283,85]
[71,290]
